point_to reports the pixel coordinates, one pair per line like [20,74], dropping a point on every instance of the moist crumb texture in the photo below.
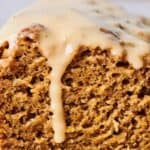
[106,101]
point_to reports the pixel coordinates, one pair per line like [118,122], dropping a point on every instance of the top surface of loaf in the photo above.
[85,22]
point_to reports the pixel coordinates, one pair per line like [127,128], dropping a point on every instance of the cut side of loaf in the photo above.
[106,100]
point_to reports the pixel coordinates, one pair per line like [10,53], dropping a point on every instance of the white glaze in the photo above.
[70,24]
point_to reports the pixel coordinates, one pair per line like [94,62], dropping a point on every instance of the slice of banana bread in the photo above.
[105,95]
[106,100]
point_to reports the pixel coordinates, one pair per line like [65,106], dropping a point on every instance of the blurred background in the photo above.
[9,7]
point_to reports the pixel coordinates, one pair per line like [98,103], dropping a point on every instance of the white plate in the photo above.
[9,7]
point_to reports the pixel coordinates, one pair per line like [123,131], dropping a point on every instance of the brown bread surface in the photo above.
[106,101]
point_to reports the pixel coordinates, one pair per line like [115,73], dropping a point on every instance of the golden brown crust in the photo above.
[106,101]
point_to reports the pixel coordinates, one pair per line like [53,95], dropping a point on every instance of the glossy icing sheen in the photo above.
[72,23]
